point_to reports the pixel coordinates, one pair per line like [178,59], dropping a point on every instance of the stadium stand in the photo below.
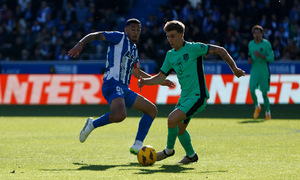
[46,30]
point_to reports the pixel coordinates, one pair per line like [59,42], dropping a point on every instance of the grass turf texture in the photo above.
[48,148]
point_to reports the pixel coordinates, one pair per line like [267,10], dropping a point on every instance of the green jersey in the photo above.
[259,65]
[187,62]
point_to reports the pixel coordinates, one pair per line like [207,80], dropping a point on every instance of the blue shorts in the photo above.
[112,89]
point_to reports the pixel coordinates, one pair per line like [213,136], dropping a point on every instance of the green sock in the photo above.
[172,135]
[185,140]
[254,98]
[266,101]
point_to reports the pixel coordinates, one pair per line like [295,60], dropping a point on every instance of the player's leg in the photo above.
[266,105]
[186,142]
[174,118]
[265,87]
[185,138]
[190,107]
[113,93]
[150,112]
[117,114]
[253,86]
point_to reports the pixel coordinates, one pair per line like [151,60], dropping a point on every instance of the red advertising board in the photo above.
[86,89]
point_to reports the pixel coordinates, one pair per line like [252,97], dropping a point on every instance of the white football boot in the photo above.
[86,130]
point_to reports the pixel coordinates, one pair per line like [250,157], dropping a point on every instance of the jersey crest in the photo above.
[186,57]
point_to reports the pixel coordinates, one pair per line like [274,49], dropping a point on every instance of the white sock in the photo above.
[191,156]
[138,143]
[169,151]
[268,112]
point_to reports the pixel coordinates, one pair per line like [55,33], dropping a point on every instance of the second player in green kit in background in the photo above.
[260,54]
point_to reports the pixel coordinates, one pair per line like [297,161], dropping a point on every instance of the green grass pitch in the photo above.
[48,148]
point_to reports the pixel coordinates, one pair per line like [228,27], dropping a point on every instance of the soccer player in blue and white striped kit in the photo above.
[122,61]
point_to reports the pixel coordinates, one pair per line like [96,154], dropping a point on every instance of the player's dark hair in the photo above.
[257,27]
[132,20]
[174,25]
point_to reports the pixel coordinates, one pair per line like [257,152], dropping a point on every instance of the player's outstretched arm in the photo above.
[76,50]
[222,52]
[153,80]
[138,73]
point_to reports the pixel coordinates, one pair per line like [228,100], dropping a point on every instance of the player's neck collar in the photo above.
[181,46]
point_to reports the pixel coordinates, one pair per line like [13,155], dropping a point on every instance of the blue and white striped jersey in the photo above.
[122,55]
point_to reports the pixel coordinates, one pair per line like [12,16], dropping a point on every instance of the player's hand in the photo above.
[239,72]
[258,54]
[75,51]
[168,83]
[141,82]
[250,61]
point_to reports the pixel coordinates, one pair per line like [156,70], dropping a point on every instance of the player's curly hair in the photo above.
[174,25]
[257,27]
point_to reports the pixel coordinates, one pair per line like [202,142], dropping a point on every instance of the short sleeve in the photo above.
[166,68]
[201,48]
[113,37]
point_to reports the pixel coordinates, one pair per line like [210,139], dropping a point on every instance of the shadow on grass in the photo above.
[165,169]
[143,170]
[252,121]
[176,168]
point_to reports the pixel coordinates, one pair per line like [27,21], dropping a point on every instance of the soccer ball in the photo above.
[146,155]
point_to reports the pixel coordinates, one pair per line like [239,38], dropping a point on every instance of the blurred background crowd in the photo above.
[46,30]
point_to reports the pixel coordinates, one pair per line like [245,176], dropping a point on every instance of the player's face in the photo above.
[175,39]
[257,35]
[133,32]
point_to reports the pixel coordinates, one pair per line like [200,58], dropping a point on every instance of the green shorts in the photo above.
[263,83]
[191,106]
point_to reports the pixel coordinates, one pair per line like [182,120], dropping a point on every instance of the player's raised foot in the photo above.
[187,160]
[86,130]
[256,112]
[135,149]
[163,155]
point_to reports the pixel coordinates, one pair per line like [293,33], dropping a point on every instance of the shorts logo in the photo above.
[186,57]
[119,90]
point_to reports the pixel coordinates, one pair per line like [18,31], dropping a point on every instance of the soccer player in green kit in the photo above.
[186,59]
[260,54]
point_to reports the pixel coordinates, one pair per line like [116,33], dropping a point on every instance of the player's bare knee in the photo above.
[181,128]
[118,117]
[171,123]
[181,132]
[152,111]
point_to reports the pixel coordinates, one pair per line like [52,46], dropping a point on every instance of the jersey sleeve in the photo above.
[113,37]
[200,48]
[270,53]
[249,52]
[166,68]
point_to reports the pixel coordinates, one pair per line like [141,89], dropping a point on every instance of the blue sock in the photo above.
[101,121]
[144,126]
